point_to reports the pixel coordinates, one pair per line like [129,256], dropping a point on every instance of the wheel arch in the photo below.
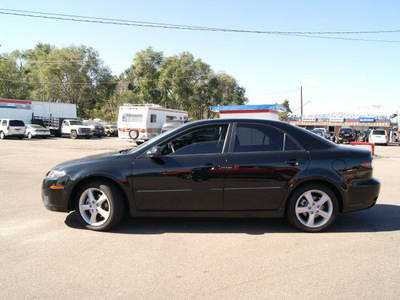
[106,180]
[324,182]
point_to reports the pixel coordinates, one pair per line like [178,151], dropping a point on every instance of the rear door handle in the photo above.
[294,162]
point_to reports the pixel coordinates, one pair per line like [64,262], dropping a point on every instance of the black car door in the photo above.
[189,174]
[261,164]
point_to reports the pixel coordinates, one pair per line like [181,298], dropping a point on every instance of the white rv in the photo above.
[142,122]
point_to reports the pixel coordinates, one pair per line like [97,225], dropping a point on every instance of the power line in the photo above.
[109,21]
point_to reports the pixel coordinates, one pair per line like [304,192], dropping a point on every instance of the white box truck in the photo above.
[141,122]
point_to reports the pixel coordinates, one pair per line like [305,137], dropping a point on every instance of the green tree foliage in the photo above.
[285,115]
[69,75]
[13,83]
[77,75]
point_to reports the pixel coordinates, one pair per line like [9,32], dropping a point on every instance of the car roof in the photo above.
[307,139]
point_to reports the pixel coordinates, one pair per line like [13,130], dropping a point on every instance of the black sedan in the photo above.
[218,168]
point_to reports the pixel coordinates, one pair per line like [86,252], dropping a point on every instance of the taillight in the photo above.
[143,130]
[8,127]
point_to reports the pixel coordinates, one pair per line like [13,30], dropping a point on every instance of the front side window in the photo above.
[203,140]
[259,138]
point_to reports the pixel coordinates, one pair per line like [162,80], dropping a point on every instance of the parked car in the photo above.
[379,136]
[98,131]
[12,128]
[346,135]
[35,130]
[172,124]
[110,130]
[324,132]
[318,132]
[221,167]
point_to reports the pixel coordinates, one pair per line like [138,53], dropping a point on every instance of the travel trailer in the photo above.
[141,122]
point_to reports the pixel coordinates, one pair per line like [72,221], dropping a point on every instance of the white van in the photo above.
[10,128]
[141,122]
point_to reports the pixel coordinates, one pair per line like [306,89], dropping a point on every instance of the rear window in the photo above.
[17,123]
[345,130]
[379,132]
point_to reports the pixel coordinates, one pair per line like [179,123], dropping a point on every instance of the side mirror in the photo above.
[154,152]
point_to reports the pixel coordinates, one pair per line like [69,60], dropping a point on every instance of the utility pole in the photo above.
[301,101]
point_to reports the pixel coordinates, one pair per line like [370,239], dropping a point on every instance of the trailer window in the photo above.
[132,118]
[153,118]
[169,118]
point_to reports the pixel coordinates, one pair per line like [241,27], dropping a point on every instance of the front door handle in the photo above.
[210,166]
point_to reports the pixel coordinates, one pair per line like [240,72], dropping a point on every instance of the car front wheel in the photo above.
[312,208]
[99,206]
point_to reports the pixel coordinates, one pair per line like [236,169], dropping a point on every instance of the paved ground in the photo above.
[47,255]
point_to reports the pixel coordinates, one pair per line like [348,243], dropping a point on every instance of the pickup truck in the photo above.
[75,128]
[60,126]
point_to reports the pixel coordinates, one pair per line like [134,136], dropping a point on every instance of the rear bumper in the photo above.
[361,195]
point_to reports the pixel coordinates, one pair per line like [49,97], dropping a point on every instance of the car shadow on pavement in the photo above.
[382,217]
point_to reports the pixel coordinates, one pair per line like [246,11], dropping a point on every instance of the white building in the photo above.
[263,111]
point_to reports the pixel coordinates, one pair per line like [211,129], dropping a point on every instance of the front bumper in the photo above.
[55,199]
[361,195]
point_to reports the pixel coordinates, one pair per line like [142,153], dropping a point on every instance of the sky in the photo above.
[336,75]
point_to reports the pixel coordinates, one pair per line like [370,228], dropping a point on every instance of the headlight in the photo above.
[54,174]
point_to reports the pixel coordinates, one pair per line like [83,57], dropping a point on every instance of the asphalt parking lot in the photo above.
[48,255]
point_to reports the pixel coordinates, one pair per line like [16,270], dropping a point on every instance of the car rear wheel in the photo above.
[2,135]
[29,135]
[99,206]
[312,208]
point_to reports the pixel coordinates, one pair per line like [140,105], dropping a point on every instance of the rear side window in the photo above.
[17,123]
[258,138]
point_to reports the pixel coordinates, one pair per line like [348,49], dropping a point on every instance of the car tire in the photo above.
[99,206]
[133,134]
[29,136]
[312,208]
[73,134]
[2,135]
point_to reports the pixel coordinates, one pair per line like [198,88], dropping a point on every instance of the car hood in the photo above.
[92,159]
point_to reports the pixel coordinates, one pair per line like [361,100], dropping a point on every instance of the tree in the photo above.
[285,115]
[143,76]
[70,75]
[12,76]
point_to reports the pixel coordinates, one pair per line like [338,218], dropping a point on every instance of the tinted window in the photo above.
[345,130]
[379,132]
[256,137]
[17,123]
[290,144]
[208,139]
